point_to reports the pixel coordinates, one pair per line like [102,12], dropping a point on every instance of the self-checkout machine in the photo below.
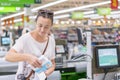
[6,43]
[103,61]
[83,62]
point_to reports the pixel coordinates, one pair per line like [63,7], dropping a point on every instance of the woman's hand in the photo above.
[33,60]
[46,73]
[50,70]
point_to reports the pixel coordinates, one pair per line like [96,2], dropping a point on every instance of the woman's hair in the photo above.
[46,14]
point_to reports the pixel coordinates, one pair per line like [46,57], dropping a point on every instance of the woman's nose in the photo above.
[42,29]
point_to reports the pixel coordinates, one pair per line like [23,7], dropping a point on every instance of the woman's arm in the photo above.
[50,70]
[13,56]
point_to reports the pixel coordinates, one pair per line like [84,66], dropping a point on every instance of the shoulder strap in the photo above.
[28,77]
[45,46]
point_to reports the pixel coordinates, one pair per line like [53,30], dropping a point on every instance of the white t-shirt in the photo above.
[26,44]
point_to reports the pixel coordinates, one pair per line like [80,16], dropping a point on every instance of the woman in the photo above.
[30,46]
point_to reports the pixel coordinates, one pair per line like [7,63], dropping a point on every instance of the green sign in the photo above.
[13,5]
[18,1]
[7,9]
[104,11]
[77,15]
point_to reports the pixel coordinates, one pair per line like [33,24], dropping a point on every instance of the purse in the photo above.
[32,72]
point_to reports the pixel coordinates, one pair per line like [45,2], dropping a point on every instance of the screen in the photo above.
[60,49]
[79,34]
[5,41]
[107,56]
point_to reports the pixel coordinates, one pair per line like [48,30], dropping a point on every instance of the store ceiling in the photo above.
[71,4]
[67,5]
[74,3]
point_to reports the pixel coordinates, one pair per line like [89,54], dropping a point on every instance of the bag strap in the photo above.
[28,77]
[45,46]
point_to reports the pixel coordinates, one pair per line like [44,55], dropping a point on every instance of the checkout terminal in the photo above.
[70,70]
[106,64]
[5,45]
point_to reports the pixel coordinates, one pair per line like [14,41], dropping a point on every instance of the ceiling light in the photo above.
[48,5]
[17,20]
[94,22]
[62,22]
[11,27]
[62,16]
[67,22]
[108,21]
[88,12]
[115,12]
[13,15]
[118,7]
[82,7]
[78,22]
[32,17]
[73,22]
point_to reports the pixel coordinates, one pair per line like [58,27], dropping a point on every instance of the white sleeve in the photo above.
[18,46]
[53,49]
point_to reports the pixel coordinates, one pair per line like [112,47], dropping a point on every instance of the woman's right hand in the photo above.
[33,60]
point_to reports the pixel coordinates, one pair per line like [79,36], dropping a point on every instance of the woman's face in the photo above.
[43,26]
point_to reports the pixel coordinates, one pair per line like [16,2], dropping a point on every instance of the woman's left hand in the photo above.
[46,73]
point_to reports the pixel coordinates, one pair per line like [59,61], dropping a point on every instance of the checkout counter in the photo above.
[7,69]
[69,71]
